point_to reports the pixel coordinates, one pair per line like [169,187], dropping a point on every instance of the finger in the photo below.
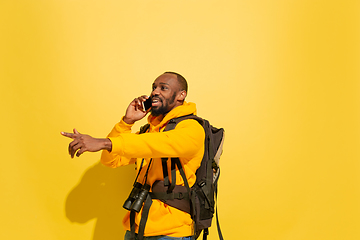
[143,98]
[69,135]
[137,104]
[138,101]
[71,145]
[76,131]
[74,149]
[134,103]
[142,108]
[81,151]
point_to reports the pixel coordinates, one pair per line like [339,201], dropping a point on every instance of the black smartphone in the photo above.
[147,104]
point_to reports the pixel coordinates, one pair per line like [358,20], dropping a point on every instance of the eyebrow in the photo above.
[162,84]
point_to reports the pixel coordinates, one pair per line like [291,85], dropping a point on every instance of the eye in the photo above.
[163,88]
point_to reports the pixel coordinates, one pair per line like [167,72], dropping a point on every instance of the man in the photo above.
[121,147]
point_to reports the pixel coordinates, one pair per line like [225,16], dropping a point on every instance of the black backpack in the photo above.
[199,200]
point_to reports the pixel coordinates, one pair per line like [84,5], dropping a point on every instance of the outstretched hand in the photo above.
[85,143]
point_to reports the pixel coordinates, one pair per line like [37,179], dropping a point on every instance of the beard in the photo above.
[164,108]
[158,111]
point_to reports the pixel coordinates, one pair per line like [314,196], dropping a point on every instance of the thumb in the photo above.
[76,131]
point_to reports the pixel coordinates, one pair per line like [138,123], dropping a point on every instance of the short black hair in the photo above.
[181,80]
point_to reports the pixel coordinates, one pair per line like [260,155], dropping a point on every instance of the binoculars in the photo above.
[137,197]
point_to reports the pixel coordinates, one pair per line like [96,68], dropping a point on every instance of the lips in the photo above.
[156,102]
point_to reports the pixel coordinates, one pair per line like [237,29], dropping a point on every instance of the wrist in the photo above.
[107,144]
[128,121]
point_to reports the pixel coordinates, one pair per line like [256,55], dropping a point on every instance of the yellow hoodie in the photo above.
[186,141]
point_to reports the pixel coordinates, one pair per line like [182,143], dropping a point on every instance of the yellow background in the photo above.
[281,76]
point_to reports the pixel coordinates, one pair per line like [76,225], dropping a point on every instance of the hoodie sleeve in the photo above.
[111,159]
[185,141]
[120,127]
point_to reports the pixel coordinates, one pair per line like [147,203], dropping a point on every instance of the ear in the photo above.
[182,95]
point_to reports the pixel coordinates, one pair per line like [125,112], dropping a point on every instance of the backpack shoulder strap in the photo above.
[175,161]
[173,122]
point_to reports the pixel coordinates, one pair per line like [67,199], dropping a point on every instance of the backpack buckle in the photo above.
[202,183]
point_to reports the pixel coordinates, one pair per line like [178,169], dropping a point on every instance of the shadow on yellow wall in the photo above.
[100,195]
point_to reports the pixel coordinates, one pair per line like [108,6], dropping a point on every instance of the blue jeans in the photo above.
[127,237]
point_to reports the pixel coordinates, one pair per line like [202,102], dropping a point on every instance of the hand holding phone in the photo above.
[137,109]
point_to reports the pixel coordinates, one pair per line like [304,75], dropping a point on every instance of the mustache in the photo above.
[156,98]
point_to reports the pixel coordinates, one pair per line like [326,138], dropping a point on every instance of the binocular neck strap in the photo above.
[141,165]
[147,170]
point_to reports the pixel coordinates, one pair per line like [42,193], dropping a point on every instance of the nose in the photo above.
[155,92]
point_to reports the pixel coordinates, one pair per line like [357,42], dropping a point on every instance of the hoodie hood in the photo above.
[187,108]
